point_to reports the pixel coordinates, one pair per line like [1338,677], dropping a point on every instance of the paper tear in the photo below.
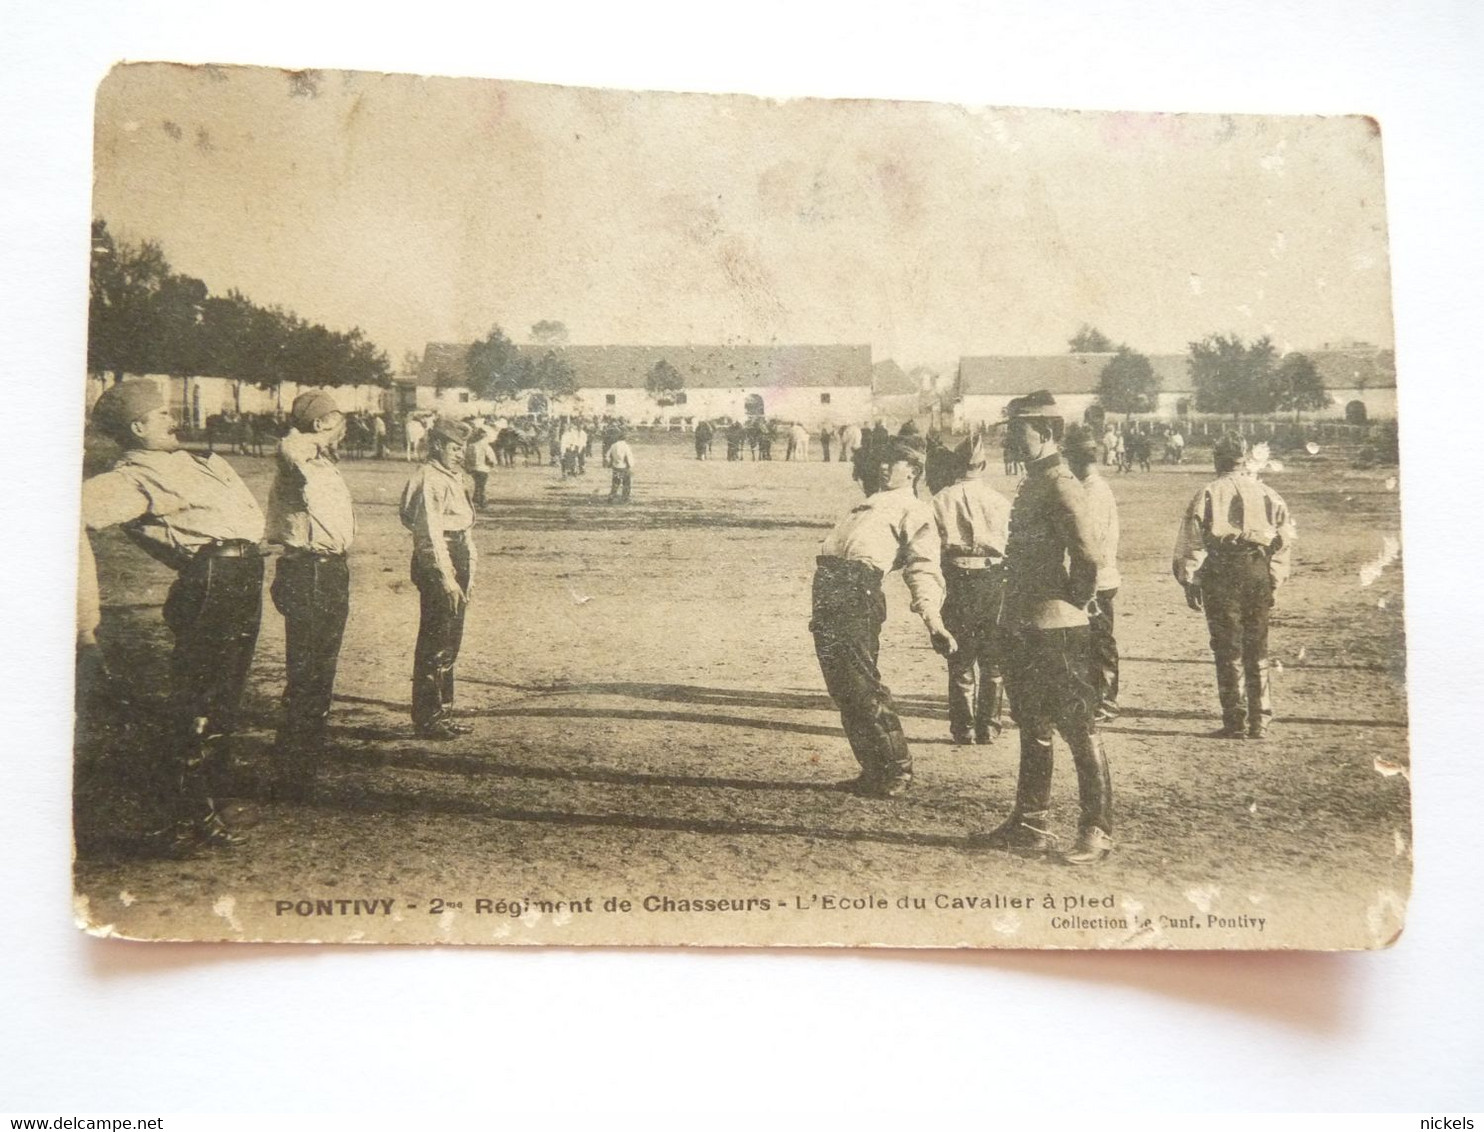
[577,598]
[1388,769]
[126,898]
[1399,842]
[1390,483]
[226,908]
[1391,550]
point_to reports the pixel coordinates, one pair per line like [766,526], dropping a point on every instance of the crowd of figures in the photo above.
[1019,598]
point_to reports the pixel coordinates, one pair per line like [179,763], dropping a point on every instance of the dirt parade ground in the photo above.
[654,758]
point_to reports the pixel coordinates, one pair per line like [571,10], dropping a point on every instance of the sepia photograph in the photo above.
[529,514]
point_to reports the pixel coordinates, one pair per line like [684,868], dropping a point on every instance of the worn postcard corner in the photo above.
[520,514]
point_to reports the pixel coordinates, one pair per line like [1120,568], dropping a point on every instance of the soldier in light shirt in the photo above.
[192,512]
[310,516]
[892,529]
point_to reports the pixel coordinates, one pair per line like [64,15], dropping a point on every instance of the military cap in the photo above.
[1039,404]
[123,404]
[908,448]
[446,430]
[1229,449]
[909,428]
[310,407]
[1079,441]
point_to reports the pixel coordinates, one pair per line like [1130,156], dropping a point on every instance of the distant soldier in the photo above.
[973,524]
[736,434]
[310,516]
[435,507]
[1052,567]
[193,513]
[767,433]
[1080,447]
[703,440]
[620,458]
[479,458]
[1232,552]
[826,437]
[378,433]
[1177,447]
[891,530]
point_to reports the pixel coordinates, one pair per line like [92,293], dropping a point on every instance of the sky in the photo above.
[425,209]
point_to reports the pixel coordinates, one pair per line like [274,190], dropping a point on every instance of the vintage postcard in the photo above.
[534,515]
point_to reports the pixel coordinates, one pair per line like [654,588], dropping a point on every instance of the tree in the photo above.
[1297,386]
[1090,340]
[1128,383]
[554,375]
[663,381]
[495,368]
[548,332]
[1230,376]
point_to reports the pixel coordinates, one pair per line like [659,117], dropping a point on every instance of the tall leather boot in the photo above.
[1027,829]
[1095,791]
[989,724]
[1233,698]
[1259,700]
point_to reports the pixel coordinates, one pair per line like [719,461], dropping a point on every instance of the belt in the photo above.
[972,561]
[1231,544]
[305,552]
[228,548]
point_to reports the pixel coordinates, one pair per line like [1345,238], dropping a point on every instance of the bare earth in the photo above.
[651,725]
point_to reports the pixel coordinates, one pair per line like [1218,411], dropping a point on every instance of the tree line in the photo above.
[144,317]
[1229,376]
[496,369]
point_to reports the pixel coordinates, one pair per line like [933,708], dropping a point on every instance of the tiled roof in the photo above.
[1008,375]
[703,367]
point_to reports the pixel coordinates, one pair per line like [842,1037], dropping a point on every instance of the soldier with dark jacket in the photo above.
[891,530]
[192,512]
[1232,552]
[1052,566]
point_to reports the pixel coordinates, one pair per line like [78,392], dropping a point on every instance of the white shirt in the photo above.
[891,530]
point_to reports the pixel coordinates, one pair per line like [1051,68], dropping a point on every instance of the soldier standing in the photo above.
[310,516]
[891,530]
[436,509]
[193,513]
[1080,447]
[973,523]
[826,437]
[620,457]
[1232,552]
[1052,573]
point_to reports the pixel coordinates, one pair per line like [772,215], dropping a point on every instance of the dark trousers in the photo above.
[440,633]
[1238,596]
[481,479]
[1051,690]
[849,609]
[213,609]
[623,483]
[312,591]
[1105,653]
[971,612]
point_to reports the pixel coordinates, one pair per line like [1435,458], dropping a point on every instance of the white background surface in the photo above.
[90,1026]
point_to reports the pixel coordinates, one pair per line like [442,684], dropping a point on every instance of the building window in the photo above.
[611,399]
[680,397]
[824,398]
[463,395]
